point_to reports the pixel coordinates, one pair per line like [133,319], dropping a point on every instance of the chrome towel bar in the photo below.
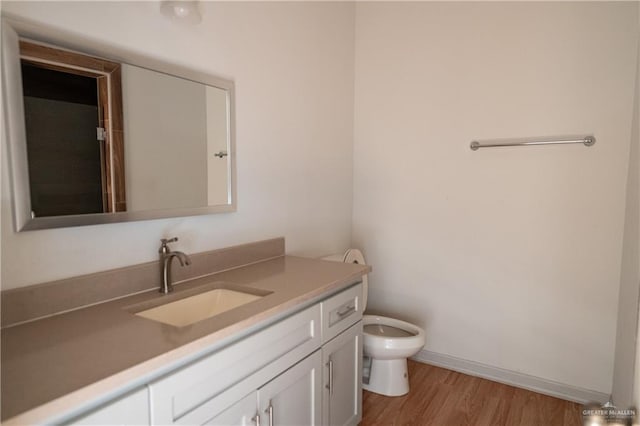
[586,140]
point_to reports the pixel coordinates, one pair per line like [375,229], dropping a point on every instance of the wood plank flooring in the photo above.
[441,397]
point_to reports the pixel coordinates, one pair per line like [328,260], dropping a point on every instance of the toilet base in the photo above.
[388,377]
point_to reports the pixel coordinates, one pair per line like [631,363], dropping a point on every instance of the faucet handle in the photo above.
[164,248]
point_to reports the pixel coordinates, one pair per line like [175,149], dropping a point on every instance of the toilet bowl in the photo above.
[387,344]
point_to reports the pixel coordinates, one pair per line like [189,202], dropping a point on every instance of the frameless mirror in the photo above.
[94,140]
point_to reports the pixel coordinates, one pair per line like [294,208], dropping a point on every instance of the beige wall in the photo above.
[507,257]
[294,93]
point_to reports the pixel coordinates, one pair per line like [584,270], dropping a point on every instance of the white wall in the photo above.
[294,127]
[508,257]
[627,325]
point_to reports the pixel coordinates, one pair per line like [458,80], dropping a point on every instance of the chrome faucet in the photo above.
[166,256]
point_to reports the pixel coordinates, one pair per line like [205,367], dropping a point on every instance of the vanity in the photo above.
[290,355]
[249,336]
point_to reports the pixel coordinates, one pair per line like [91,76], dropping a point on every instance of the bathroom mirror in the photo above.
[101,138]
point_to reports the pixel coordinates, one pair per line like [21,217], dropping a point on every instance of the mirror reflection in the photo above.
[107,137]
[70,100]
[175,136]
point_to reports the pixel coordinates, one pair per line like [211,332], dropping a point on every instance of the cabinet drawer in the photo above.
[341,311]
[198,391]
[131,409]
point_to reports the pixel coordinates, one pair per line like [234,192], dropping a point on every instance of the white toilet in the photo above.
[388,343]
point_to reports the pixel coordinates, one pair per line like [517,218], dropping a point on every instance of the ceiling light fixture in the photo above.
[182,11]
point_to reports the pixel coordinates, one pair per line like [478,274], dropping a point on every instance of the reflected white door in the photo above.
[217,154]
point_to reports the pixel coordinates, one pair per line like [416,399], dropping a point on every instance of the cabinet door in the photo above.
[242,413]
[342,390]
[294,397]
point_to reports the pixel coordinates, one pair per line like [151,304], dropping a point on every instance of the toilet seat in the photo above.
[384,330]
[383,346]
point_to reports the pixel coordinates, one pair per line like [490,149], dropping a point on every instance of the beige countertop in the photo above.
[53,364]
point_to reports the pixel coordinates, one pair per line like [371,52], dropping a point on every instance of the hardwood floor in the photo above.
[441,397]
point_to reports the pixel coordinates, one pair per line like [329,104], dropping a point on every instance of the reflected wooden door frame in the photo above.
[108,76]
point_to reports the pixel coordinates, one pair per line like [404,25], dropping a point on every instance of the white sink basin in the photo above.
[199,307]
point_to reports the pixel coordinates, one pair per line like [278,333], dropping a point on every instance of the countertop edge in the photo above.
[104,390]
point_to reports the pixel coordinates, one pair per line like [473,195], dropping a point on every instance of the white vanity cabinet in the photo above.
[342,358]
[302,370]
[195,394]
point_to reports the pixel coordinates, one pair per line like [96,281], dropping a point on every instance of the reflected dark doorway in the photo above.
[66,167]
[74,131]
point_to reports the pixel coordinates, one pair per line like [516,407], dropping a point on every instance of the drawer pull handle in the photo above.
[330,384]
[269,411]
[256,418]
[346,311]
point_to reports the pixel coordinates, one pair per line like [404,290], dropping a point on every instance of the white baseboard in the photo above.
[536,384]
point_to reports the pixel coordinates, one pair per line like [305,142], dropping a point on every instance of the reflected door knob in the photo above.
[221,154]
